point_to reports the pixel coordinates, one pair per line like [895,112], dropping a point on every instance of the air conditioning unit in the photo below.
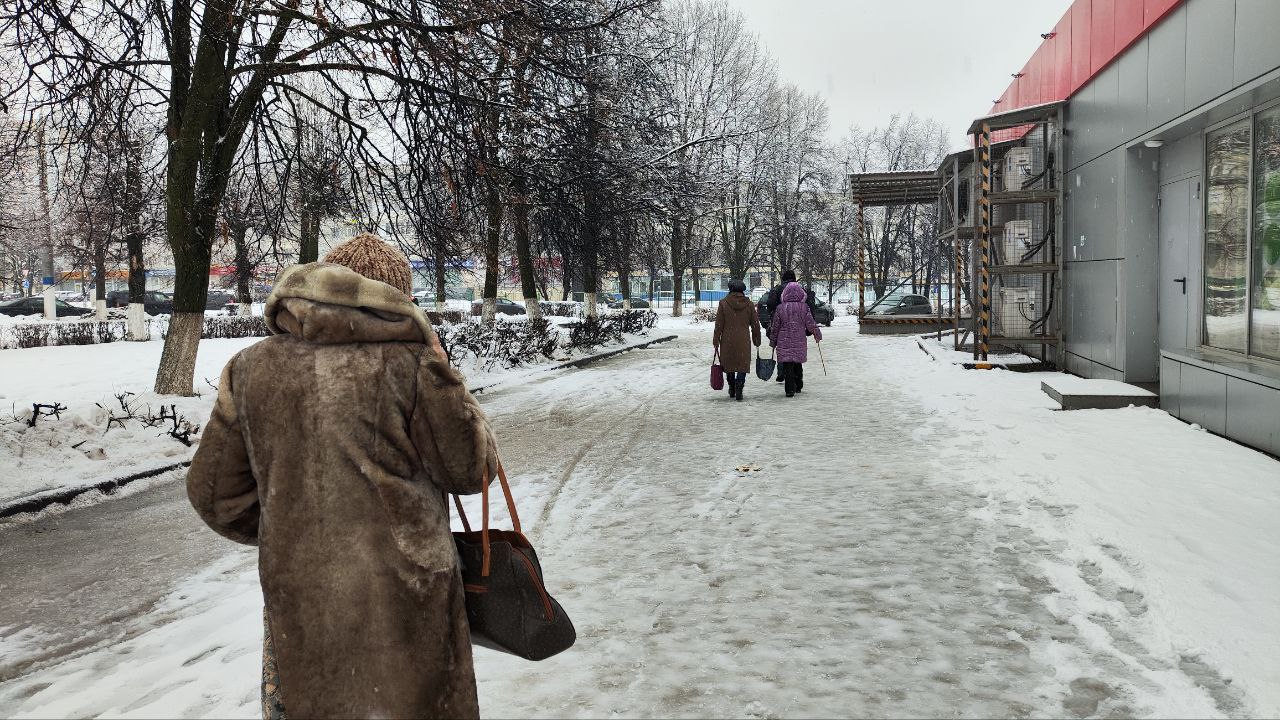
[1014,309]
[1017,168]
[1017,241]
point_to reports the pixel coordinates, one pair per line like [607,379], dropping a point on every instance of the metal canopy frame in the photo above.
[1044,122]
[886,189]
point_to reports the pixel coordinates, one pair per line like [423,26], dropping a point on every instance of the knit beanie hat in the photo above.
[368,255]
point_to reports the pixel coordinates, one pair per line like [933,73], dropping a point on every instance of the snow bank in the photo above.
[80,377]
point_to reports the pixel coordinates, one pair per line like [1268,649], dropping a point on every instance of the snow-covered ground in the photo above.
[79,448]
[918,540]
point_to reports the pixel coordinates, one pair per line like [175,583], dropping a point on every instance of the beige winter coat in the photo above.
[329,447]
[737,330]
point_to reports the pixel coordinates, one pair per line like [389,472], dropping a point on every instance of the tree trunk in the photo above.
[442,276]
[244,271]
[524,251]
[191,257]
[697,287]
[677,292]
[493,238]
[133,240]
[100,278]
[309,244]
[590,258]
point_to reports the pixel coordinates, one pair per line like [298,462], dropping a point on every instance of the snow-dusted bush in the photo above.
[703,314]
[509,344]
[561,309]
[46,333]
[221,327]
[436,317]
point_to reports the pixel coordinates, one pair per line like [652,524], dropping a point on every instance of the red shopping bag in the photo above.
[717,372]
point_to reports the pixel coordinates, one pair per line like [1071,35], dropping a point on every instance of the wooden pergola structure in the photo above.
[887,189]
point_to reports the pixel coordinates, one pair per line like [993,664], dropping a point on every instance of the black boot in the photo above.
[799,377]
[741,384]
[789,381]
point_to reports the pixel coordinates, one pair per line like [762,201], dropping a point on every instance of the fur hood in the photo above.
[330,304]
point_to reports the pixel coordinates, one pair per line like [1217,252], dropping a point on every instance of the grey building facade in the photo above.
[1172,217]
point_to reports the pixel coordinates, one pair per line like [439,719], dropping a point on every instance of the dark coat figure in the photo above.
[788,332]
[737,331]
[330,447]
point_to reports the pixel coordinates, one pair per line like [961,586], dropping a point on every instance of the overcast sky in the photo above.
[872,58]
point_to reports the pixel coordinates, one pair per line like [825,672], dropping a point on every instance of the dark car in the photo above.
[636,304]
[823,314]
[218,301]
[904,305]
[505,307]
[153,303]
[35,306]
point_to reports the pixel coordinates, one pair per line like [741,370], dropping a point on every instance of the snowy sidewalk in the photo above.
[920,540]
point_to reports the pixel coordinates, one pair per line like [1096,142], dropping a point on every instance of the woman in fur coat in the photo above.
[331,447]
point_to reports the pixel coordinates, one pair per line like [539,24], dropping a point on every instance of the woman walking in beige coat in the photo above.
[330,447]
[737,330]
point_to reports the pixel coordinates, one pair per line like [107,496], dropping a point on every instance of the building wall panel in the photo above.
[1139,227]
[1131,85]
[1170,384]
[1203,398]
[1181,158]
[1211,28]
[1257,50]
[1167,69]
[1253,414]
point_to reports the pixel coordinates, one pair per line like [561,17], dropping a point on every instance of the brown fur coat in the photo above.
[329,447]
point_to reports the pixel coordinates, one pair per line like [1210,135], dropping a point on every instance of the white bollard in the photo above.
[137,323]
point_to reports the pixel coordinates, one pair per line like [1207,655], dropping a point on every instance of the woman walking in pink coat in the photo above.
[792,322]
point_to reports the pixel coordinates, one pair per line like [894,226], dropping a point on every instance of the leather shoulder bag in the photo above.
[508,606]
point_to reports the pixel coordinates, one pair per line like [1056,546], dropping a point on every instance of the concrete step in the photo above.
[1076,393]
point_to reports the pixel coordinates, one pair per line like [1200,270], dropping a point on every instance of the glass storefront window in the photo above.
[1265,326]
[1226,324]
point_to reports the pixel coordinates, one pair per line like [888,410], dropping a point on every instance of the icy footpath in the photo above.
[1166,536]
[916,541]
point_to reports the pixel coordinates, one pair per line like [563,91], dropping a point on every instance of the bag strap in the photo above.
[484,513]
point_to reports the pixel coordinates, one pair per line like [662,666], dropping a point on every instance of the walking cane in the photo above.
[824,360]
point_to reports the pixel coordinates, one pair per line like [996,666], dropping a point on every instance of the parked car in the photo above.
[505,307]
[68,295]
[823,314]
[904,305]
[35,306]
[636,304]
[218,301]
[758,293]
[153,303]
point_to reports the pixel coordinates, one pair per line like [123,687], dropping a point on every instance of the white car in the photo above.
[757,293]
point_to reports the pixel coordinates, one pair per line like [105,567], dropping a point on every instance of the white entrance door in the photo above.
[1179,233]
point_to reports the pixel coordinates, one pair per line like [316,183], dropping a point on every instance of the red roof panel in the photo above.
[1102,48]
[1088,38]
[1081,36]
